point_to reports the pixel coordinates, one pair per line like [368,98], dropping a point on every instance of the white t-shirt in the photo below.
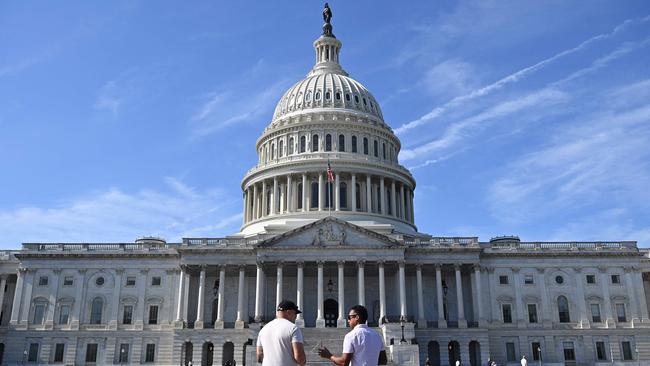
[276,340]
[364,344]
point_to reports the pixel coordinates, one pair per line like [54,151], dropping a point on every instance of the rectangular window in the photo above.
[595,313]
[39,312]
[150,353]
[33,352]
[601,355]
[64,314]
[532,313]
[620,313]
[626,348]
[43,280]
[68,281]
[529,279]
[91,352]
[569,352]
[507,313]
[130,281]
[124,353]
[503,280]
[591,279]
[127,315]
[616,279]
[510,352]
[155,281]
[59,351]
[153,314]
[537,349]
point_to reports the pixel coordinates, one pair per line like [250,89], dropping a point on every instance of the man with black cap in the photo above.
[280,343]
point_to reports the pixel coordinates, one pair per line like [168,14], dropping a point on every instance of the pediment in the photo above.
[330,232]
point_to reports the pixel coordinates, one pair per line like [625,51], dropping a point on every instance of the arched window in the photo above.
[318,95]
[563,309]
[290,146]
[383,149]
[327,95]
[343,195]
[314,195]
[347,97]
[356,98]
[300,196]
[281,148]
[376,149]
[328,142]
[272,151]
[338,95]
[314,143]
[354,144]
[96,311]
[341,143]
[303,143]
[308,96]
[365,145]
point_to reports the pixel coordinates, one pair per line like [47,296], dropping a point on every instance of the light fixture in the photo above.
[215,288]
[445,289]
[330,286]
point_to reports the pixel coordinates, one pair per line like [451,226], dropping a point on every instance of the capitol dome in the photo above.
[328,119]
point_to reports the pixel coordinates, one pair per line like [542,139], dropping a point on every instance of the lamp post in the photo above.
[445,289]
[24,356]
[636,350]
[539,354]
[121,356]
[401,323]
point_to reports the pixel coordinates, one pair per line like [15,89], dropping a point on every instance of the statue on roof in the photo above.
[327,16]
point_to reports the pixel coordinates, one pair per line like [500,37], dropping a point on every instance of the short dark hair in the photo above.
[362,312]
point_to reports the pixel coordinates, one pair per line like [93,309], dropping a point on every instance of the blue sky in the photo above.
[124,118]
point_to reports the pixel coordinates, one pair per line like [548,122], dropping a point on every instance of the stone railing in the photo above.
[6,255]
[563,246]
[225,241]
[88,247]
[444,242]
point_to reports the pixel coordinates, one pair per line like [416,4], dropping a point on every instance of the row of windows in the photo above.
[99,281]
[96,313]
[529,279]
[92,352]
[569,351]
[563,312]
[361,102]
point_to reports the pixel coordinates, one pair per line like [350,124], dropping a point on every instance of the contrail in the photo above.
[512,78]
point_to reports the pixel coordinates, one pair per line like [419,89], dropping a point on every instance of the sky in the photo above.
[124,119]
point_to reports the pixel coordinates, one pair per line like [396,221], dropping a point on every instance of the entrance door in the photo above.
[331,308]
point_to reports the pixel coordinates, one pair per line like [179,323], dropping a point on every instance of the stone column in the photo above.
[337,193]
[179,303]
[634,312]
[320,320]
[278,284]
[282,196]
[402,203]
[289,194]
[300,293]
[255,202]
[29,286]
[422,321]
[479,296]
[382,195]
[221,299]
[361,283]
[320,192]
[198,324]
[382,293]
[3,284]
[245,206]
[604,284]
[274,198]
[545,304]
[442,322]
[411,210]
[117,288]
[638,280]
[18,296]
[341,321]
[241,312]
[402,291]
[368,194]
[354,193]
[259,289]
[393,199]
[409,215]
[582,306]
[519,307]
[304,192]
[80,294]
[462,322]
[139,311]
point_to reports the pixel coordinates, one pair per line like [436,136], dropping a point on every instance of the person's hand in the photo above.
[324,352]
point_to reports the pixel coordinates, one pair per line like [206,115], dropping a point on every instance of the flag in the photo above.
[330,173]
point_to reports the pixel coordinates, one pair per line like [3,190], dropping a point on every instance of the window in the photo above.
[127,314]
[569,352]
[529,279]
[356,98]
[383,150]
[354,144]
[376,149]
[365,145]
[91,352]
[99,281]
[124,353]
[506,309]
[96,311]
[150,353]
[308,96]
[39,312]
[563,309]
[620,313]
[290,146]
[536,350]
[341,143]
[281,148]
[503,280]
[153,314]
[626,349]
[327,95]
[43,280]
[64,314]
[559,280]
[343,195]
[510,352]
[155,281]
[328,142]
[33,352]
[347,97]
[314,195]
[532,313]
[299,196]
[314,143]
[59,351]
[338,95]
[318,95]
[303,143]
[130,281]
[591,279]
[595,313]
[272,151]
[616,279]
[68,281]
[601,354]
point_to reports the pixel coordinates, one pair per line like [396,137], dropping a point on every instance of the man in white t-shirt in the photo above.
[362,346]
[280,343]
[524,362]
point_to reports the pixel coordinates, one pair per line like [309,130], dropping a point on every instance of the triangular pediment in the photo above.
[330,232]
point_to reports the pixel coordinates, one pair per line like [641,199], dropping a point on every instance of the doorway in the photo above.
[331,308]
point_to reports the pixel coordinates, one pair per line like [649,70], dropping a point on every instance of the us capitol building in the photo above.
[328,242]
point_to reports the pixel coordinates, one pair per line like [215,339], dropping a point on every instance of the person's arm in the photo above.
[383,360]
[342,360]
[260,354]
[299,353]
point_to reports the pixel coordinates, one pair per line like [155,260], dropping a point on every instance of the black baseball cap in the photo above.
[288,305]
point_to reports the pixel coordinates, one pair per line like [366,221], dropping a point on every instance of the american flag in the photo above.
[330,173]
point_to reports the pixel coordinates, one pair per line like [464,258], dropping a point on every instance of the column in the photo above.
[179,304]
[407,203]
[604,284]
[300,293]
[411,210]
[282,195]
[479,295]
[274,198]
[337,192]
[245,206]
[289,194]
[368,194]
[139,307]
[402,202]
[382,195]
[241,312]
[198,324]
[634,312]
[320,321]
[3,283]
[80,294]
[361,283]
[320,192]
[582,306]
[638,279]
[393,199]
[304,192]
[221,299]
[255,202]
[402,291]
[18,295]
[117,287]
[545,304]
[462,322]
[442,322]
[259,289]
[354,193]
[341,321]
[29,286]
[422,321]
[278,285]
[382,293]
[519,307]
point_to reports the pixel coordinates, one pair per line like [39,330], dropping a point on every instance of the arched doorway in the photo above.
[433,352]
[330,308]
[207,354]
[188,349]
[474,353]
[454,352]
[228,357]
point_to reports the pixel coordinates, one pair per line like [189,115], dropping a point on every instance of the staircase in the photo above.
[332,338]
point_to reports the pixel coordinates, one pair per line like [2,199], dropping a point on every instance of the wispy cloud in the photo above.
[14,68]
[109,98]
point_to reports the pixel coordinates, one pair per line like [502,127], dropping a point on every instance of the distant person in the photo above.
[280,342]
[524,362]
[362,346]
[457,362]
